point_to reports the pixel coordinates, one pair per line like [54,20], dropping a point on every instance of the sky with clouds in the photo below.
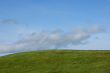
[27,25]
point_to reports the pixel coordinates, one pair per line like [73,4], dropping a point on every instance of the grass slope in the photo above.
[56,61]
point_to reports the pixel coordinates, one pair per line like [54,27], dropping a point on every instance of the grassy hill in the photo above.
[56,61]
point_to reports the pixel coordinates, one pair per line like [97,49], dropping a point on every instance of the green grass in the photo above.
[56,61]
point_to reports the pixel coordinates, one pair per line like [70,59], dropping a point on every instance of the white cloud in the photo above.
[50,40]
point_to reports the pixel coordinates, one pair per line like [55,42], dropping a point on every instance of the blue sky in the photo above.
[19,18]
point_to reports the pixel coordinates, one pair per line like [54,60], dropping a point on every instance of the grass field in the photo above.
[56,61]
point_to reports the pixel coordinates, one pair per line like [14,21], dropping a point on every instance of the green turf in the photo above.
[56,61]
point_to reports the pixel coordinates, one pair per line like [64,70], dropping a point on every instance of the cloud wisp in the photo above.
[8,21]
[51,40]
